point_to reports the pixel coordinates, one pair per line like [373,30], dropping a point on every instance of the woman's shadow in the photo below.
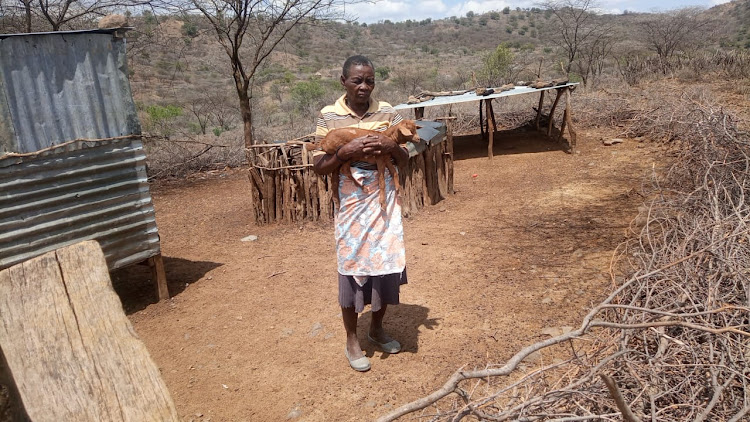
[402,322]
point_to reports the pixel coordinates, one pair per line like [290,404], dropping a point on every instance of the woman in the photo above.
[369,241]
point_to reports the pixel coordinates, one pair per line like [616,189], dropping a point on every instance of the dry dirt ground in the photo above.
[253,331]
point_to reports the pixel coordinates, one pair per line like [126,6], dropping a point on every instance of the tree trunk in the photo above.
[27,7]
[246,111]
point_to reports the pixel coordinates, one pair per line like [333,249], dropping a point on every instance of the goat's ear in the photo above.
[404,131]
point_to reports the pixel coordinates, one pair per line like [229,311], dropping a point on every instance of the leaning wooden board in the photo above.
[69,348]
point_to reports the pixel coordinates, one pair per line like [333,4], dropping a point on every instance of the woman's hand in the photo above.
[379,145]
[366,145]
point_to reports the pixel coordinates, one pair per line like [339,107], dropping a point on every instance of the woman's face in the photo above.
[359,84]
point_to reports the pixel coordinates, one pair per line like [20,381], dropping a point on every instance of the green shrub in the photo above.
[306,94]
[382,73]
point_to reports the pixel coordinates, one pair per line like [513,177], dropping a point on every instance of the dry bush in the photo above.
[179,157]
[671,341]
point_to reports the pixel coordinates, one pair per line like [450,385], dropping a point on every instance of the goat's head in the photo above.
[407,132]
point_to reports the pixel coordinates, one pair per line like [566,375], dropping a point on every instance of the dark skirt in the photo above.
[379,290]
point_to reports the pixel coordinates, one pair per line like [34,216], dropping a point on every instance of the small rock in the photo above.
[462,233]
[370,403]
[286,332]
[224,386]
[316,328]
[294,413]
[251,238]
[578,253]
[442,209]
[547,300]
[613,141]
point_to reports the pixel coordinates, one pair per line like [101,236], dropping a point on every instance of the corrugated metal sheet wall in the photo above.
[60,87]
[85,190]
[56,190]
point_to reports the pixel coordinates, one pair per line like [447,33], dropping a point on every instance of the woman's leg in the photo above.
[377,332]
[350,325]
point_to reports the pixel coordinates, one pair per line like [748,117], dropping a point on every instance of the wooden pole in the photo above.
[569,121]
[539,109]
[419,113]
[156,263]
[490,129]
[449,155]
[551,122]
[481,119]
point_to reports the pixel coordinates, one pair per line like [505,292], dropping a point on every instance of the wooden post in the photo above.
[551,122]
[325,206]
[490,128]
[539,109]
[419,113]
[481,119]
[568,122]
[156,263]
[71,351]
[449,155]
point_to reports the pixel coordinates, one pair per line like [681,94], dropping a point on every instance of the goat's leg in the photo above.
[381,182]
[394,174]
[347,169]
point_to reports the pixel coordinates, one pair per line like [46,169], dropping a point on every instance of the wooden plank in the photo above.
[88,364]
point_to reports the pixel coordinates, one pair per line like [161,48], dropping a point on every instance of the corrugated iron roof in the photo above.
[60,86]
[472,96]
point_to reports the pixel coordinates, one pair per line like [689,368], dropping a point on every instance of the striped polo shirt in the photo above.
[379,116]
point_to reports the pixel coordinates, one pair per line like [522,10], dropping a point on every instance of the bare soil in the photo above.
[253,330]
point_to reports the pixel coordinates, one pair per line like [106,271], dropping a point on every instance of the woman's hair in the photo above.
[357,60]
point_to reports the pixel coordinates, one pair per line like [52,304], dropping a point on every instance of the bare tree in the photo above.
[590,61]
[65,13]
[17,16]
[265,23]
[577,24]
[675,31]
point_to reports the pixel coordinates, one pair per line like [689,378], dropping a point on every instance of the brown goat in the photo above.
[405,131]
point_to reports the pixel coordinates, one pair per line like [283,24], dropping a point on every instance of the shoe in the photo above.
[392,346]
[360,364]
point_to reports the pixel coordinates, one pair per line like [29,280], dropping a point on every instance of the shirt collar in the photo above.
[342,108]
